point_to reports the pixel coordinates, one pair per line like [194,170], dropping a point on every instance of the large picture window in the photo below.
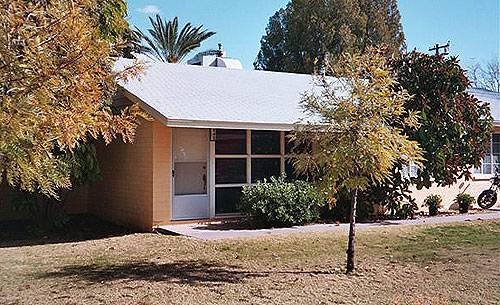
[243,157]
[491,160]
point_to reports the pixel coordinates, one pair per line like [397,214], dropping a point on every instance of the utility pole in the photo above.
[437,47]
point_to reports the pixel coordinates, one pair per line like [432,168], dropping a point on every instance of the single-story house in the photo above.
[213,131]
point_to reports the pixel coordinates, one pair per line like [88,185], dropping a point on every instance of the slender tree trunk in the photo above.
[352,233]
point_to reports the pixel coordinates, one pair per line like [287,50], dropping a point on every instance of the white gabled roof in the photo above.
[490,97]
[197,96]
[212,97]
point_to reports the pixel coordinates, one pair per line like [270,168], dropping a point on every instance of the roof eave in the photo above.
[192,123]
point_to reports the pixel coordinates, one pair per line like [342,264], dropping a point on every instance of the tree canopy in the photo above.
[455,128]
[56,84]
[299,37]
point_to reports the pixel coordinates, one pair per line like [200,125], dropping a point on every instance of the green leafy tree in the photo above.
[167,44]
[454,131]
[299,36]
[356,142]
[56,84]
[455,128]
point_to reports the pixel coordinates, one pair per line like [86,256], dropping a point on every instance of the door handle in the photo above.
[204,182]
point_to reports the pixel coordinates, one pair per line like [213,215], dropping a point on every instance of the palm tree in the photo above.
[167,44]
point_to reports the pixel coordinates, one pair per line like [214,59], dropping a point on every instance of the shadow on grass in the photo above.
[194,273]
[79,228]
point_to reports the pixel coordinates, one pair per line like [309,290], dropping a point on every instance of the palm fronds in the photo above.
[167,44]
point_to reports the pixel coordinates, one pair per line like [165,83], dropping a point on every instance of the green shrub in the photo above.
[464,201]
[406,210]
[434,203]
[281,203]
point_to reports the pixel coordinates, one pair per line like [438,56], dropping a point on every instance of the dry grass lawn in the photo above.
[446,264]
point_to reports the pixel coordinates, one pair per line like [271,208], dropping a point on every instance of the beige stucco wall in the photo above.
[125,194]
[448,193]
[162,174]
[135,189]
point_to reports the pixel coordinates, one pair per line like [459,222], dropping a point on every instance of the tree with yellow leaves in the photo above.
[357,131]
[56,85]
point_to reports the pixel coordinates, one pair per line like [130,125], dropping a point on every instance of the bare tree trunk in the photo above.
[352,233]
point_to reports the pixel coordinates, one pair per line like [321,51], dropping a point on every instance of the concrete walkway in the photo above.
[220,230]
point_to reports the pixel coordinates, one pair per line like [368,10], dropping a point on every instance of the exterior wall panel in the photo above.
[125,194]
[162,173]
[448,193]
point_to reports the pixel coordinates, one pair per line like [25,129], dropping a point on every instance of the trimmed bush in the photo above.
[434,203]
[464,201]
[280,203]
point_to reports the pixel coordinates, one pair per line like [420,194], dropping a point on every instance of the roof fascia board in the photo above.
[230,125]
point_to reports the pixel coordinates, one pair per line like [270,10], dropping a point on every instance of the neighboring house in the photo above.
[213,131]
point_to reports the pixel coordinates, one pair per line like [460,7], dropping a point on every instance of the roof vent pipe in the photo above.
[220,52]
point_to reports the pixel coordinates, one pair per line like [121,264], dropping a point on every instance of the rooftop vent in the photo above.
[215,58]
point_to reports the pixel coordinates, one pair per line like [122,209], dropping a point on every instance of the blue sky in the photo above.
[472,26]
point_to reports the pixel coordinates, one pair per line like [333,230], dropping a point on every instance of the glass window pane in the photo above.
[190,144]
[496,159]
[190,178]
[265,168]
[486,168]
[227,199]
[230,142]
[496,148]
[265,142]
[496,138]
[487,158]
[230,170]
[477,170]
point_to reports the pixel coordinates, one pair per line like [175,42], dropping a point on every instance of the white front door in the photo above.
[191,196]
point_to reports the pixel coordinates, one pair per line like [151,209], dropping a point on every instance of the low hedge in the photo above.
[281,203]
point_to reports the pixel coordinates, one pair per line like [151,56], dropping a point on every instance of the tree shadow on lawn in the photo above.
[194,273]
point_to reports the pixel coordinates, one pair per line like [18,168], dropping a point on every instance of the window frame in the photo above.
[480,175]
[248,156]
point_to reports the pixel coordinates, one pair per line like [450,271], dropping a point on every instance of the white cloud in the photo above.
[149,9]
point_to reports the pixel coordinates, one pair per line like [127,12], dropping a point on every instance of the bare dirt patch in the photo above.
[446,264]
